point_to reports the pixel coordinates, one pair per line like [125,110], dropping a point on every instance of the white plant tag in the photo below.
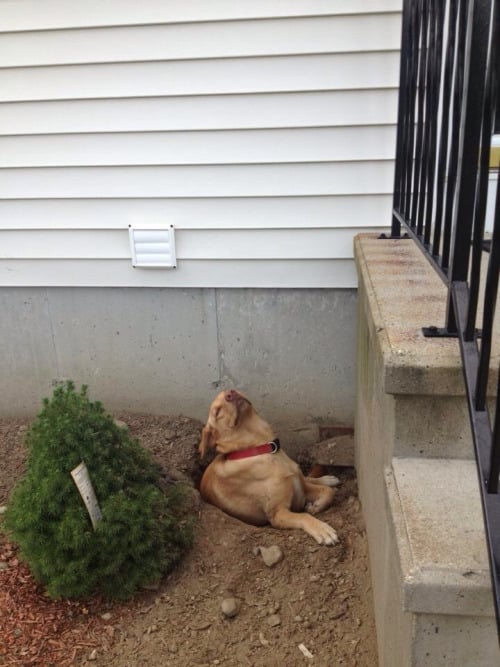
[81,478]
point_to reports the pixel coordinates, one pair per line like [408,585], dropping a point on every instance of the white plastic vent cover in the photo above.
[153,248]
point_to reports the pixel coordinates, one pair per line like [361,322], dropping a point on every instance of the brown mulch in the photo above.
[36,630]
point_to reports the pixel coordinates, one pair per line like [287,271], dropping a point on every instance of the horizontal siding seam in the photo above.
[180,165]
[194,197]
[286,91]
[154,61]
[276,128]
[228,130]
[179,227]
[111,26]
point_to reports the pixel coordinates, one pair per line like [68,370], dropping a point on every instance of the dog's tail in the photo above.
[317,470]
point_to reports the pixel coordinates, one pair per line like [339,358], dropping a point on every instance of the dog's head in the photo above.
[232,423]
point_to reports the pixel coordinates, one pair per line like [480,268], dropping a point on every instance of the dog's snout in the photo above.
[231,395]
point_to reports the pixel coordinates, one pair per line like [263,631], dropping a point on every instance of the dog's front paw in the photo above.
[324,534]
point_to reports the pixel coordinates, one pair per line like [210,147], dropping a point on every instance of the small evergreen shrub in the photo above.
[143,532]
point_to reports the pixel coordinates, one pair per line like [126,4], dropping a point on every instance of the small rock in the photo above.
[274,620]
[3,509]
[202,625]
[305,651]
[230,607]
[120,424]
[298,619]
[106,616]
[93,655]
[271,555]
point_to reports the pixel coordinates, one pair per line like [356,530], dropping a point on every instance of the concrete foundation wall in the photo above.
[169,351]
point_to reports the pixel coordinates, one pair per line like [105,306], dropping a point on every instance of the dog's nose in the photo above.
[231,395]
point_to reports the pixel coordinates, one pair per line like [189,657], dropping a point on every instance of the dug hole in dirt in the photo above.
[223,605]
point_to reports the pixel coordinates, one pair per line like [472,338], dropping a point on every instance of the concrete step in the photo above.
[442,594]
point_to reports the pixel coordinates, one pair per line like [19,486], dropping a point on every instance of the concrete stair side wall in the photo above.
[432,608]
[375,428]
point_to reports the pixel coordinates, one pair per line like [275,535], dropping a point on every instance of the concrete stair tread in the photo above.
[438,521]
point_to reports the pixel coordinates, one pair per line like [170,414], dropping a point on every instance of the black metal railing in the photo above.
[447,102]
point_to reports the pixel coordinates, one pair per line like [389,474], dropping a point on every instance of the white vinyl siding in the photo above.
[354,211]
[190,41]
[21,15]
[193,244]
[264,131]
[351,108]
[344,144]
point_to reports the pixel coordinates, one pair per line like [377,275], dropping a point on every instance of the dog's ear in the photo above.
[208,440]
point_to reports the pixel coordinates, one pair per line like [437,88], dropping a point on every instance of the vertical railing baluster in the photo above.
[436,41]
[410,95]
[492,72]
[445,125]
[418,181]
[402,143]
[455,131]
[490,300]
[495,446]
[470,136]
[419,111]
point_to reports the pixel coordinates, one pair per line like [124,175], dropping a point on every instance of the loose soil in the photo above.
[315,602]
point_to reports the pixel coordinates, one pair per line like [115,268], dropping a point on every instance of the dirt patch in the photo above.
[316,599]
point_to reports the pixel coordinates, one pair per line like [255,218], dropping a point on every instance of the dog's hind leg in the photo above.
[318,496]
[326,480]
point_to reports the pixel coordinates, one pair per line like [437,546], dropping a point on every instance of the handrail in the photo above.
[450,54]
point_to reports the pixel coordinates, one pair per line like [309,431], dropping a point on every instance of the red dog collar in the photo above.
[266,448]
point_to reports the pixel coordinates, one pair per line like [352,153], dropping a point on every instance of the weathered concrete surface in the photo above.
[444,562]
[411,403]
[171,350]
[405,294]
